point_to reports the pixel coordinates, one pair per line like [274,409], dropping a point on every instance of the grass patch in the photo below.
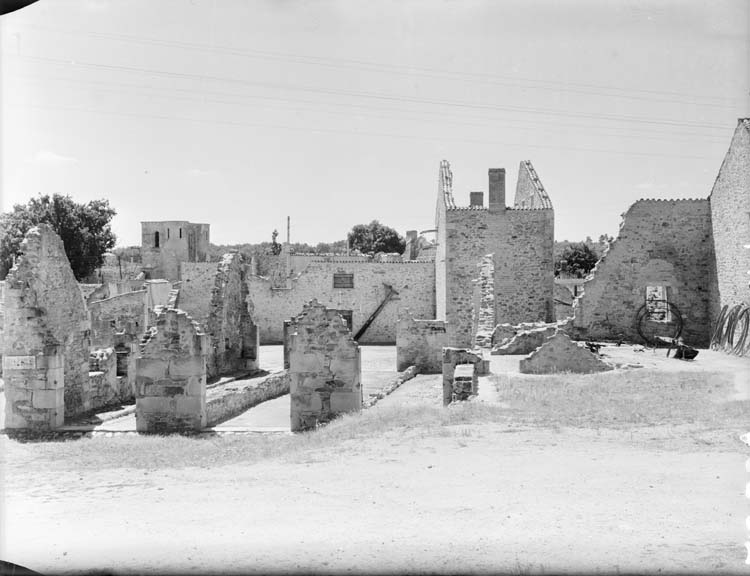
[619,400]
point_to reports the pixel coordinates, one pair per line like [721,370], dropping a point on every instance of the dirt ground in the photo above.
[374,493]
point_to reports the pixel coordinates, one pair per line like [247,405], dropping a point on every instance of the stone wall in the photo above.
[484,303]
[232,399]
[661,243]
[521,241]
[171,375]
[233,337]
[420,343]
[324,366]
[414,282]
[44,309]
[453,357]
[122,314]
[195,289]
[105,388]
[730,215]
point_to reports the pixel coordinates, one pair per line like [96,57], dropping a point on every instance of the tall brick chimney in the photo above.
[497,189]
[476,199]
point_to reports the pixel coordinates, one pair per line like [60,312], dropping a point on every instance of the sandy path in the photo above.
[477,499]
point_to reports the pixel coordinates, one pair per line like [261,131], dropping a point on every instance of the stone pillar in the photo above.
[497,189]
[324,366]
[171,376]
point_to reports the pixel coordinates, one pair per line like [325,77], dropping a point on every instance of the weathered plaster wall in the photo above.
[44,308]
[324,367]
[233,336]
[661,242]
[730,215]
[414,282]
[420,343]
[171,375]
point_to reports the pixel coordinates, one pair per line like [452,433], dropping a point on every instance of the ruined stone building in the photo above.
[691,252]
[165,245]
[520,239]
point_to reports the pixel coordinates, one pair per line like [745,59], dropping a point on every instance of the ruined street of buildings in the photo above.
[453,408]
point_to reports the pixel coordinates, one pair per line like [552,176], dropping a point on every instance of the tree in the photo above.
[577,259]
[84,228]
[374,237]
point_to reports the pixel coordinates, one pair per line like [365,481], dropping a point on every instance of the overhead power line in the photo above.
[366,95]
[670,97]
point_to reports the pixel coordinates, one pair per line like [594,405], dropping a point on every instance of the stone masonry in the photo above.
[420,343]
[730,219]
[232,333]
[453,357]
[171,375]
[484,302]
[324,365]
[46,336]
[664,243]
[560,354]
[521,239]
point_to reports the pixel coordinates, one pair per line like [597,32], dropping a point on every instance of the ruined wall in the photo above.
[730,215]
[521,241]
[661,242]
[195,289]
[324,367]
[122,314]
[171,375]
[484,303]
[164,245]
[420,343]
[530,194]
[414,282]
[44,309]
[233,337]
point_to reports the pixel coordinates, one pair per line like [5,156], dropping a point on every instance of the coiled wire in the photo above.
[732,329]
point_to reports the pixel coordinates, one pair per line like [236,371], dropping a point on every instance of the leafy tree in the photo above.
[84,228]
[577,259]
[374,237]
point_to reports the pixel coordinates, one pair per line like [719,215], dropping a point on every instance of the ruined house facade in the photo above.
[164,245]
[691,252]
[520,239]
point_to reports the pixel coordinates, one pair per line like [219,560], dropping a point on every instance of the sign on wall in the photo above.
[19,362]
[657,308]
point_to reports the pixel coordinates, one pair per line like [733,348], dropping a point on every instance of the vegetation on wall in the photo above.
[375,237]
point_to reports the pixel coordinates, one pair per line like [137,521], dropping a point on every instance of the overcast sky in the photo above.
[239,113]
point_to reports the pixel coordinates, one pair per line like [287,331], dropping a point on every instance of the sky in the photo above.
[240,113]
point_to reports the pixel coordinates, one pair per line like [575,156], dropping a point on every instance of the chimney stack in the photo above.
[476,199]
[497,189]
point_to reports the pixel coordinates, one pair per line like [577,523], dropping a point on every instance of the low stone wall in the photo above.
[453,357]
[406,375]
[420,343]
[231,399]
